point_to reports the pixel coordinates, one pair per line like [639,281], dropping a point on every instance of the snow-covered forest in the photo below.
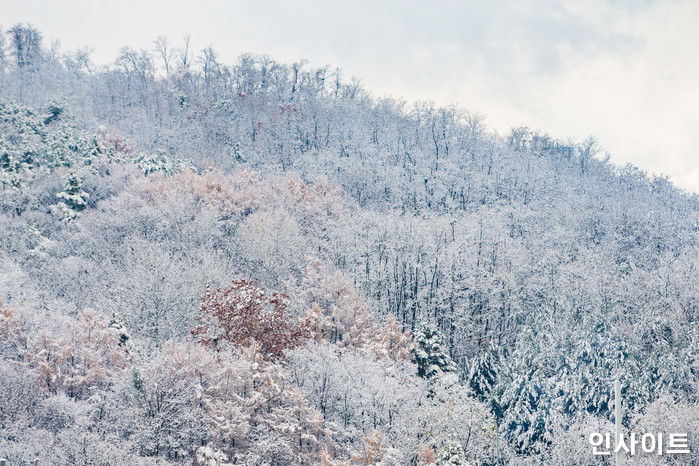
[260,263]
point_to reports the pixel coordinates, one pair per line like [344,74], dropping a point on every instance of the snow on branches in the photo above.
[244,314]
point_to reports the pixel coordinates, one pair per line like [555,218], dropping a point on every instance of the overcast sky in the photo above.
[626,72]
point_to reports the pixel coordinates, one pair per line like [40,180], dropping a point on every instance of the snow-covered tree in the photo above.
[432,359]
[244,314]
[451,453]
[484,373]
[549,271]
[75,199]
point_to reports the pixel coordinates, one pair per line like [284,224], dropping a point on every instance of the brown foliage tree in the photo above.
[13,333]
[374,449]
[233,193]
[426,455]
[83,356]
[244,314]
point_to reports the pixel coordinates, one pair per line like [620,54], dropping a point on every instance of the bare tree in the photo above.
[81,59]
[139,63]
[162,47]
[184,55]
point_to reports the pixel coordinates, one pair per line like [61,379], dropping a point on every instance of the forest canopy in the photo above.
[261,263]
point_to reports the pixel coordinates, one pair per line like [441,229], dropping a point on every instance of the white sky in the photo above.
[626,72]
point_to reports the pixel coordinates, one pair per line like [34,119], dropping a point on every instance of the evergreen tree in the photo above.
[159,162]
[74,196]
[598,356]
[484,373]
[528,414]
[430,357]
[451,454]
[524,399]
[55,108]
[124,337]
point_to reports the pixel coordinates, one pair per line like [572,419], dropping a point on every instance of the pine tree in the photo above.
[524,396]
[74,196]
[484,373]
[430,357]
[451,454]
[526,417]
[124,337]
[55,108]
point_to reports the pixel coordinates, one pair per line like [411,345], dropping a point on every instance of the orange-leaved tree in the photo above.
[244,314]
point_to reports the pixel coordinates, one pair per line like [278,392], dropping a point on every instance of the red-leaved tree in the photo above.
[243,314]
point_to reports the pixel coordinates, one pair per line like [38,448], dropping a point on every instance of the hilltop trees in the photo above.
[25,45]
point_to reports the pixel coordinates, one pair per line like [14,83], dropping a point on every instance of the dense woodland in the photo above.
[260,263]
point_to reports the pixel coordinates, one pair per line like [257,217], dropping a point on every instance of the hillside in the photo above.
[260,263]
